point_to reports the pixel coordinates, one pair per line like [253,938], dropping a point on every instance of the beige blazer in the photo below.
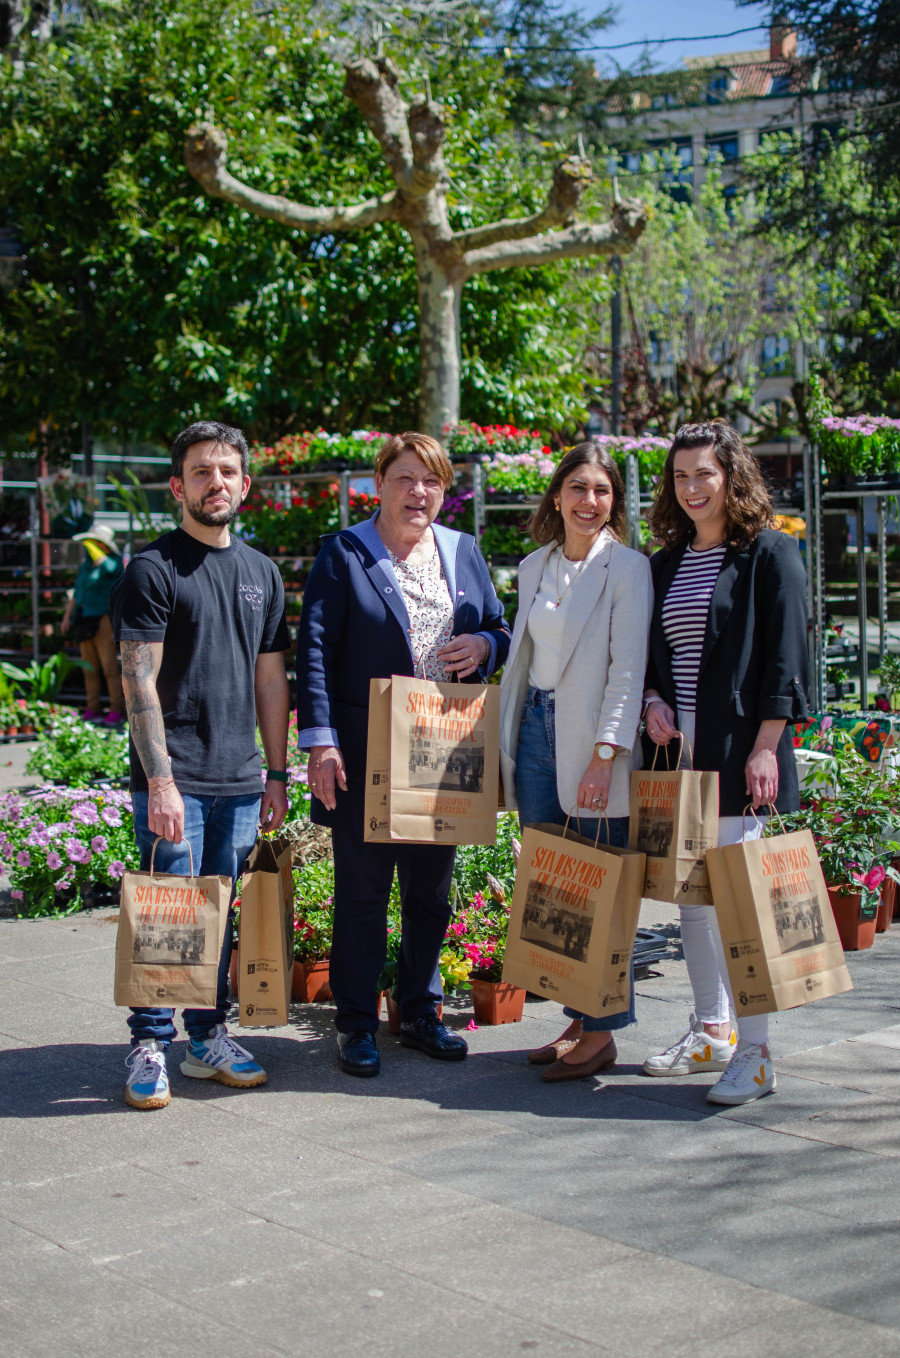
[602,661]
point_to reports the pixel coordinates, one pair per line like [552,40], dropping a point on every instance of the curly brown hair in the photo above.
[748,504]
[547,523]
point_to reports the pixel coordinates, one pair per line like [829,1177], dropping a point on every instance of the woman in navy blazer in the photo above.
[395,594]
[728,672]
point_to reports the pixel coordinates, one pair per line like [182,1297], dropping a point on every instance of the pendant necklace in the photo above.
[561,592]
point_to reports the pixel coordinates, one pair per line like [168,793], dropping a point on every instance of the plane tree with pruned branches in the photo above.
[411,134]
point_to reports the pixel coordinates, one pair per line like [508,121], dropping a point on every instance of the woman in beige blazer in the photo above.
[570,700]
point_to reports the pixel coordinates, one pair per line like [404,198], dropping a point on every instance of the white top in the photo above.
[430,608]
[547,616]
[684,616]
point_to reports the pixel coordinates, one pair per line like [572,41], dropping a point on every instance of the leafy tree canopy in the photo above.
[143,304]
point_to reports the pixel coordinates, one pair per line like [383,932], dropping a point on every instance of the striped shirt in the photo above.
[684,615]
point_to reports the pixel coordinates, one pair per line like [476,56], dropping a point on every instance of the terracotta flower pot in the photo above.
[856,934]
[309,982]
[394,1018]
[497,1002]
[886,905]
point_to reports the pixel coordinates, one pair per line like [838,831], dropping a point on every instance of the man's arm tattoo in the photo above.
[145,719]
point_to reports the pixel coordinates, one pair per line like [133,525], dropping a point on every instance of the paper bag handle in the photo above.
[602,817]
[153,853]
[774,813]
[684,741]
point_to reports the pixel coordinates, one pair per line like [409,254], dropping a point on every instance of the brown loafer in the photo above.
[580,1070]
[545,1056]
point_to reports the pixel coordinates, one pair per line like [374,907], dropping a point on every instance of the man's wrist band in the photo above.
[277,776]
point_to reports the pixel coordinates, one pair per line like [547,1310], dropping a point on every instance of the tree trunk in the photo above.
[439,345]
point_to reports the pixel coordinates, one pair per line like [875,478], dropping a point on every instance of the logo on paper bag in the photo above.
[735,952]
[743,997]
[251,968]
[250,1011]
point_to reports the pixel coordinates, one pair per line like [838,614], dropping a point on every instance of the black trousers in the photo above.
[363,874]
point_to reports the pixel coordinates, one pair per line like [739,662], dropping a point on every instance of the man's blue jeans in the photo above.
[221,832]
[538,799]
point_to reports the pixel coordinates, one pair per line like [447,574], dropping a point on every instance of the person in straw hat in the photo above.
[86,620]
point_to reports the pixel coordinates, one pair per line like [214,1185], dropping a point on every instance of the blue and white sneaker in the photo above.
[148,1079]
[218,1057]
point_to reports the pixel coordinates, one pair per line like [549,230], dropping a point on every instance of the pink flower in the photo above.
[872,879]
[471,1026]
[98,844]
[77,853]
[17,895]
[110,816]
[53,860]
[23,858]
[116,868]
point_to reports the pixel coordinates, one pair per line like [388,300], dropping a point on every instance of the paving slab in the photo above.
[442,1205]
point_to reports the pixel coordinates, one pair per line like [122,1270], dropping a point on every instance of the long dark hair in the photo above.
[547,522]
[748,505]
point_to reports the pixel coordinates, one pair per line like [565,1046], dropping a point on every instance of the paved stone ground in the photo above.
[440,1209]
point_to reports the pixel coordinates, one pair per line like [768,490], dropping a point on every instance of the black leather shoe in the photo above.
[359,1055]
[429,1035]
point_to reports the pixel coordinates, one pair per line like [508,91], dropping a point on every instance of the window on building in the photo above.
[776,355]
[718,87]
[725,147]
[781,84]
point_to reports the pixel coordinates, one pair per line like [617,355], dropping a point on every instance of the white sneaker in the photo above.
[748,1077]
[695,1052]
[148,1081]
[218,1057]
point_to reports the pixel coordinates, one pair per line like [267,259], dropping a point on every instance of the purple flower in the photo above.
[23,858]
[86,813]
[39,837]
[7,848]
[17,895]
[98,844]
[53,860]
[78,853]
[110,815]
[116,868]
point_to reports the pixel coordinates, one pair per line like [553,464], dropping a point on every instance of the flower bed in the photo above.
[56,842]
[860,446]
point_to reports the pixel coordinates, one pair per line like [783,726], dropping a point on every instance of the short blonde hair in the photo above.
[426,449]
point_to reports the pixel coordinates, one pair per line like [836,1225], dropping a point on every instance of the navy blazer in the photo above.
[354,627]
[754,665]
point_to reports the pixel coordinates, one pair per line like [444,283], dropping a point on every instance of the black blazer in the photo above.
[754,664]
[354,627]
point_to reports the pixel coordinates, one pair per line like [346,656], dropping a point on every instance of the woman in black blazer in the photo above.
[728,672]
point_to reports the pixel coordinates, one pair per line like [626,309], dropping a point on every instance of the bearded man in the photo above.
[200,621]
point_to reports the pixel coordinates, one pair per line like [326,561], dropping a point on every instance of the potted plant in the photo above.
[854,834]
[313,926]
[889,674]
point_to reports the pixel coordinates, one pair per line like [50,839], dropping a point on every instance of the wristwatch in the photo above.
[278,775]
[605,751]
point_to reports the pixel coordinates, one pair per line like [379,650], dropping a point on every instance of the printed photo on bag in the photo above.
[558,918]
[654,833]
[449,767]
[167,947]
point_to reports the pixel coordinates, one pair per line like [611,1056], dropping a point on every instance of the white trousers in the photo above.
[700,935]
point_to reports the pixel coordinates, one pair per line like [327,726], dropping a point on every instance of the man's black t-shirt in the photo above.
[214,609]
